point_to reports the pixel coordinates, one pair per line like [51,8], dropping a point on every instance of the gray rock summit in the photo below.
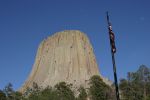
[65,56]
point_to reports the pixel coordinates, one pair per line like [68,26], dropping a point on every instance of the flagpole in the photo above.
[113,51]
[115,76]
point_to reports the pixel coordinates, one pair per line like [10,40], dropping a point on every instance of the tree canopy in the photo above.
[135,87]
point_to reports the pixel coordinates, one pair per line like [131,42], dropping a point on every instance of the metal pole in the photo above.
[115,76]
[112,45]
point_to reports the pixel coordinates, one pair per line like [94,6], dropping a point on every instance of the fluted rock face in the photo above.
[65,56]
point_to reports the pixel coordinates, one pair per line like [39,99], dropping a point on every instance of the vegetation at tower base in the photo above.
[137,85]
[61,91]
[8,90]
[2,95]
[64,91]
[9,94]
[99,90]
[83,94]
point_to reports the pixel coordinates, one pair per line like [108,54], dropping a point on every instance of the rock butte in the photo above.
[65,56]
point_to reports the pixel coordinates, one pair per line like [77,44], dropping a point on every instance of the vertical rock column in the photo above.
[65,56]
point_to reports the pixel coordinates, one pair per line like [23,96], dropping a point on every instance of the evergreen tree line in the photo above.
[97,90]
[135,87]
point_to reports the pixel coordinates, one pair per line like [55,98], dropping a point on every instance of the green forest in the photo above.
[136,86]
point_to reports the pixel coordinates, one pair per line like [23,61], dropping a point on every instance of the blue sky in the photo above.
[25,23]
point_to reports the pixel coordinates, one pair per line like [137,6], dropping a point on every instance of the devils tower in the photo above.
[65,56]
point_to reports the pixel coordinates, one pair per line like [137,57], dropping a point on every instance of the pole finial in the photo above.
[107,16]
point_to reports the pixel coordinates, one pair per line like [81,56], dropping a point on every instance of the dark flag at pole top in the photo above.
[112,36]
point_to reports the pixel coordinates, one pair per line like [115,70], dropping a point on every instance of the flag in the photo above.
[111,36]
[112,39]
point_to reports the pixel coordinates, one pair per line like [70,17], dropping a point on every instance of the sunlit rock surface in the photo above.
[65,56]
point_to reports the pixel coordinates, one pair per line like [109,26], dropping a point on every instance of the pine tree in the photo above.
[98,89]
[83,94]
[64,91]
[2,95]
